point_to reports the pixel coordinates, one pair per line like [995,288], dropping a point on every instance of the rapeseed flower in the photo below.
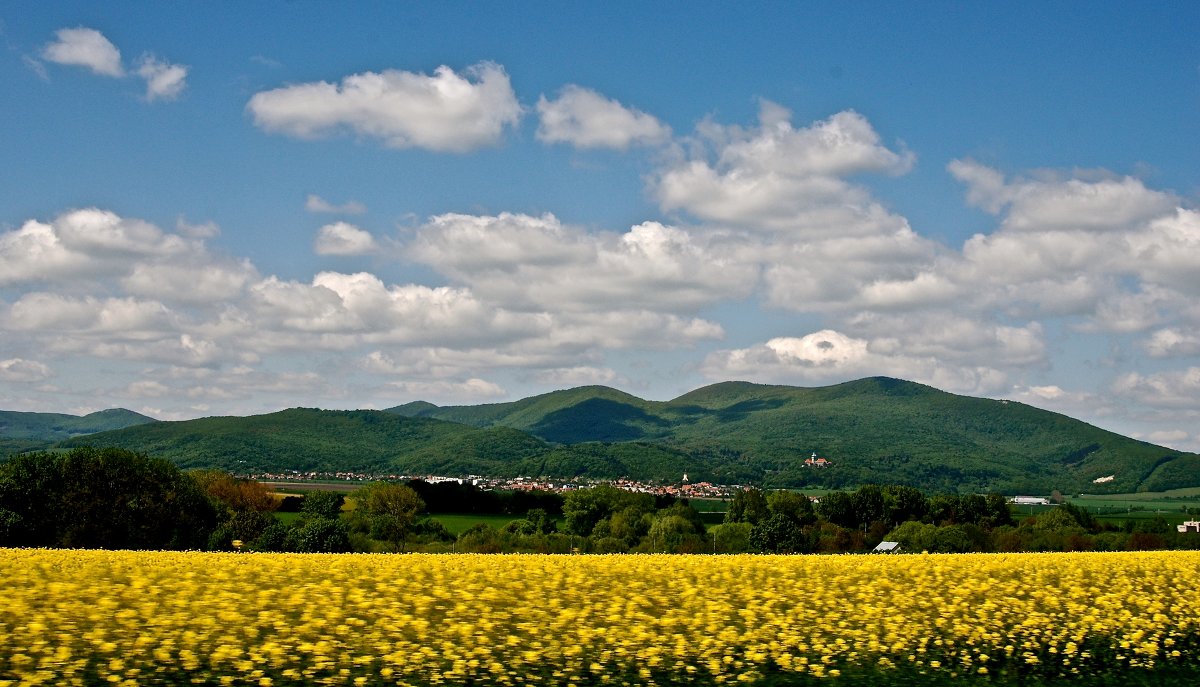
[94,617]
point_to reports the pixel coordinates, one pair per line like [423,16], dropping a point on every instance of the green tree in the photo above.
[731,537]
[101,498]
[674,533]
[322,535]
[246,527]
[429,530]
[1058,520]
[480,538]
[902,503]
[609,545]
[793,505]
[972,509]
[952,539]
[386,511]
[868,504]
[10,525]
[914,536]
[998,513]
[838,508]
[322,504]
[520,527]
[541,521]
[943,509]
[629,524]
[779,534]
[687,512]
[1081,515]
[748,505]
[583,509]
[277,537]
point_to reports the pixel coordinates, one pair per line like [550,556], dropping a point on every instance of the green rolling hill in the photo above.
[21,431]
[876,430]
[307,439]
[873,430]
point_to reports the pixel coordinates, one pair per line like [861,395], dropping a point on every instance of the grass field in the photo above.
[1176,506]
[456,523]
[1117,512]
[1191,493]
[1171,519]
[344,487]
[459,523]
[287,518]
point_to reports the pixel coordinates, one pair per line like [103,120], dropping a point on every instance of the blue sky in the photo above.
[235,208]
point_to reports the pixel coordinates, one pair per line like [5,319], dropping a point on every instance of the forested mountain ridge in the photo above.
[308,439]
[876,430]
[24,431]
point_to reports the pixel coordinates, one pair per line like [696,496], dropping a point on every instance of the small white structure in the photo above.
[887,547]
[1102,480]
[1031,501]
[1190,526]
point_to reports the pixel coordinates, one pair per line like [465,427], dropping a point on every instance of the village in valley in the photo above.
[684,488]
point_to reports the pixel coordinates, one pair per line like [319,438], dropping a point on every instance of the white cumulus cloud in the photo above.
[445,111]
[164,81]
[1055,203]
[84,47]
[198,280]
[579,375]
[21,370]
[36,252]
[1172,342]
[79,247]
[441,391]
[1169,389]
[586,119]
[1168,437]
[315,203]
[1091,244]
[342,238]
[829,356]
[88,48]
[778,177]
[527,262]
[127,318]
[104,232]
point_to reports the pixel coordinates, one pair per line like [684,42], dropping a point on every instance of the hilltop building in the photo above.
[815,462]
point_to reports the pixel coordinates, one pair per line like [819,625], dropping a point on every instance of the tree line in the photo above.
[112,498]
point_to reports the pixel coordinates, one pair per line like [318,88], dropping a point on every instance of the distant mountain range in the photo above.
[876,430]
[27,431]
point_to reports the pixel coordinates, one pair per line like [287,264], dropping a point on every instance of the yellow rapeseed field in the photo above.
[131,618]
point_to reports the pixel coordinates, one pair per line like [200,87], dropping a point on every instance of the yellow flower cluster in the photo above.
[132,618]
